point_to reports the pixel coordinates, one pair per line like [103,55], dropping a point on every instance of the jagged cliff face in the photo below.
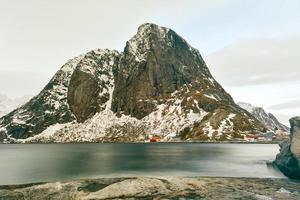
[159,85]
[156,62]
[267,119]
[92,83]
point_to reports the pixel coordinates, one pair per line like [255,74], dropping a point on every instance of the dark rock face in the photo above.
[91,84]
[157,62]
[83,99]
[288,160]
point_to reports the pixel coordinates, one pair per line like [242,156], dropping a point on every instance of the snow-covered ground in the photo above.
[165,122]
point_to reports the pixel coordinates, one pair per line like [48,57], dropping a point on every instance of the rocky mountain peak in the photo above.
[159,85]
[150,27]
[156,62]
[152,39]
[146,37]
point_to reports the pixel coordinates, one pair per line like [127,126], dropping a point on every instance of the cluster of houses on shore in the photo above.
[266,137]
[261,137]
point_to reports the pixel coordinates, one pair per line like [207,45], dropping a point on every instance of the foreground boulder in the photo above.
[288,160]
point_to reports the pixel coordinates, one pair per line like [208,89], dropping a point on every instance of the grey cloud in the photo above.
[270,67]
[258,61]
[283,118]
[293,104]
[38,37]
[19,83]
[286,110]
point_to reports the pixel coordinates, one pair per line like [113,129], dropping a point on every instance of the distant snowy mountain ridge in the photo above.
[268,119]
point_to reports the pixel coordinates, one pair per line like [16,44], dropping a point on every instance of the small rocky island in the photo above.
[288,160]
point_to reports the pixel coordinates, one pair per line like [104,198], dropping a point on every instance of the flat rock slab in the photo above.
[158,188]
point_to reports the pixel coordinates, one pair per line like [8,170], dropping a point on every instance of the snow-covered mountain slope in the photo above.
[159,86]
[48,107]
[268,119]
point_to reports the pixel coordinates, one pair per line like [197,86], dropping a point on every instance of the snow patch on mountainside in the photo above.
[165,122]
[106,76]
[247,106]
[208,130]
[170,119]
[211,96]
[225,126]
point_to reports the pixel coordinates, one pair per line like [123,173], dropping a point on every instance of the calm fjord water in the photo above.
[26,163]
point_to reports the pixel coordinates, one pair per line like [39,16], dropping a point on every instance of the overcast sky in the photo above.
[251,47]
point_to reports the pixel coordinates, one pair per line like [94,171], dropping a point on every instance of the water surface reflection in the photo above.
[52,162]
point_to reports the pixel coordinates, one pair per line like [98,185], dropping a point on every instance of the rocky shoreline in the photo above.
[158,188]
[148,142]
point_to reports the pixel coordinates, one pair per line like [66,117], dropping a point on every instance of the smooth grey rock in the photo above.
[91,83]
[158,188]
[288,160]
[295,136]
